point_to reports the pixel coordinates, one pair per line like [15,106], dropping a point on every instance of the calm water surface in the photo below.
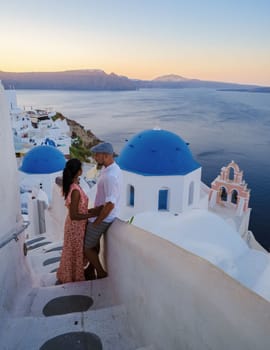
[220,127]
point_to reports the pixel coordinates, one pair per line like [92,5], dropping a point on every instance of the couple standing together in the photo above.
[83,226]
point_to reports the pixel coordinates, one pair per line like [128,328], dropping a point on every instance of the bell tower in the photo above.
[230,190]
[229,197]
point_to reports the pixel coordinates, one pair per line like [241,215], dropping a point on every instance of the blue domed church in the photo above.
[45,159]
[160,174]
[39,168]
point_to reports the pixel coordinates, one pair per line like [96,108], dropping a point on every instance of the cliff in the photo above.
[78,131]
[82,139]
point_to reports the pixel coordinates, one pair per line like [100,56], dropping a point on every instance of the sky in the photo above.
[218,40]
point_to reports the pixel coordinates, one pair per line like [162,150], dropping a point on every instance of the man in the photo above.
[107,203]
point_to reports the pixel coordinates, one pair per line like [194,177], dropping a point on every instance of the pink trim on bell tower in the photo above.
[229,189]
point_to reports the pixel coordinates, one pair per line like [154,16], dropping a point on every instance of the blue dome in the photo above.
[43,160]
[157,152]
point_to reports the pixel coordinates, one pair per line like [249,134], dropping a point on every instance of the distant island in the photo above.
[98,80]
[263,89]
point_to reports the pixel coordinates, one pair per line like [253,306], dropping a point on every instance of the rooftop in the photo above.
[157,152]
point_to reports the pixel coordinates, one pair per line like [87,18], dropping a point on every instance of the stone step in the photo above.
[33,302]
[110,325]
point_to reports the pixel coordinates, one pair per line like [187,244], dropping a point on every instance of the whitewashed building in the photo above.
[159,174]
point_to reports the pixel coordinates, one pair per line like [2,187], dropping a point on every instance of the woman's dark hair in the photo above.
[70,171]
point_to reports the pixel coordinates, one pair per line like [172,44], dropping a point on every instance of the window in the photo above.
[223,194]
[191,193]
[131,195]
[231,174]
[163,199]
[234,197]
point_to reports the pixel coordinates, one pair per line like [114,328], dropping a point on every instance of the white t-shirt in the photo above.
[109,190]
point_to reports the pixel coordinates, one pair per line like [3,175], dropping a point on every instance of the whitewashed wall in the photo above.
[11,98]
[12,268]
[9,188]
[176,300]
[56,214]
[147,189]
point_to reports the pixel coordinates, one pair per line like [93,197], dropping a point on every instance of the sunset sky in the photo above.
[221,40]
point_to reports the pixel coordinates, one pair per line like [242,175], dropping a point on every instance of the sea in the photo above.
[220,126]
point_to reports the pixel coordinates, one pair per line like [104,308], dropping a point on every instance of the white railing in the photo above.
[14,234]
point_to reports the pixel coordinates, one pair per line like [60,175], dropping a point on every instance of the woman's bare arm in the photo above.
[74,207]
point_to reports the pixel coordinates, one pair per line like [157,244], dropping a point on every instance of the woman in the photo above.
[71,266]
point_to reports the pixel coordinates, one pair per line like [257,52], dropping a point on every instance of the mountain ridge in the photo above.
[97,79]
[171,77]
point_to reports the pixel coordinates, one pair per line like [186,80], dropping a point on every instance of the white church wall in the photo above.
[146,192]
[204,196]
[197,306]
[192,178]
[244,222]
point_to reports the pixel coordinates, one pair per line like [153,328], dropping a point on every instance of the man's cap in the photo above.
[104,147]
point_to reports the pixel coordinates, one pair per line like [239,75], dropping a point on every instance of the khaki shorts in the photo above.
[93,233]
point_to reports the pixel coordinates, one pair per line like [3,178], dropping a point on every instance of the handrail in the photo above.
[14,235]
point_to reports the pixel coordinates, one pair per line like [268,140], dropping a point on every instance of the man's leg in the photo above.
[92,247]
[93,258]
[90,272]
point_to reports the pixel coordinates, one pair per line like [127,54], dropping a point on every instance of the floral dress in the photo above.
[71,266]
